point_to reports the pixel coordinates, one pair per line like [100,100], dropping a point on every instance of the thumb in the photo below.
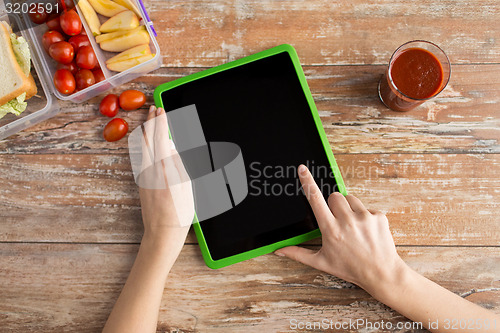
[300,254]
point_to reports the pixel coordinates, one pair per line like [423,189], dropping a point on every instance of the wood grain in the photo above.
[208,33]
[463,119]
[430,199]
[72,287]
[70,214]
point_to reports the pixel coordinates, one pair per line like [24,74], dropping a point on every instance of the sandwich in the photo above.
[16,83]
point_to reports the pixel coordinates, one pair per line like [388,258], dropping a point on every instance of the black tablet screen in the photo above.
[261,107]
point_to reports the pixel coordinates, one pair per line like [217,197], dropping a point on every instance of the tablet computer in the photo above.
[263,104]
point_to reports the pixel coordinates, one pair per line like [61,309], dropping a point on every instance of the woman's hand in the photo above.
[358,247]
[357,244]
[167,212]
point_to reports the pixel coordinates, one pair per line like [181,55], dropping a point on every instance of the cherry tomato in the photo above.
[84,78]
[51,37]
[86,58]
[109,106]
[66,4]
[98,75]
[132,99]
[71,23]
[64,81]
[62,52]
[71,67]
[115,130]
[78,41]
[38,15]
[54,23]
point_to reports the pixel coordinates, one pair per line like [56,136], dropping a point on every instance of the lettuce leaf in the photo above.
[15,106]
[22,52]
[23,57]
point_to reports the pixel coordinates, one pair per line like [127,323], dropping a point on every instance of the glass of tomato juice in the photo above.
[418,71]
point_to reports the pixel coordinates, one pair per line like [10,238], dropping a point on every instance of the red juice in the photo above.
[415,74]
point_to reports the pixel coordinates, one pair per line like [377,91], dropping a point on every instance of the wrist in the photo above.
[166,243]
[165,232]
[391,283]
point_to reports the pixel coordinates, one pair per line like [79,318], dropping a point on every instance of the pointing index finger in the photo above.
[315,197]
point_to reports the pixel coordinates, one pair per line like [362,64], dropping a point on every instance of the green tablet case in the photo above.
[215,264]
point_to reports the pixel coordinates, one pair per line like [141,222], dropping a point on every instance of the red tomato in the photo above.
[79,41]
[98,75]
[71,67]
[115,130]
[51,37]
[132,99]
[84,78]
[109,106]
[71,23]
[66,4]
[54,23]
[86,58]
[38,14]
[64,81]
[62,52]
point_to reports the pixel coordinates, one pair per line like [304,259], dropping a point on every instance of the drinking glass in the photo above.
[392,96]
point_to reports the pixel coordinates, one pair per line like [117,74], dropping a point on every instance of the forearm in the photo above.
[422,300]
[136,309]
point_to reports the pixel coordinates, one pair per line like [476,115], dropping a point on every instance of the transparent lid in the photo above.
[42,105]
[45,104]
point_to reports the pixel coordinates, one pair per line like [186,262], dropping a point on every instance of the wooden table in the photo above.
[70,215]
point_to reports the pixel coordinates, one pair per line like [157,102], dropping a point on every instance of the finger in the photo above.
[162,141]
[160,111]
[176,158]
[315,197]
[300,254]
[152,111]
[375,212]
[148,133]
[146,142]
[339,206]
[146,148]
[356,204]
[182,191]
[153,150]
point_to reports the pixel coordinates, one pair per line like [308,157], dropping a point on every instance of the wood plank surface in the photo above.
[430,199]
[465,118]
[324,32]
[72,287]
[70,214]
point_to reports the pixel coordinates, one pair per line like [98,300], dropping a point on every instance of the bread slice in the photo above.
[13,81]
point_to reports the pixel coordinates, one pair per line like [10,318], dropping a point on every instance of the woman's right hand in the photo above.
[357,244]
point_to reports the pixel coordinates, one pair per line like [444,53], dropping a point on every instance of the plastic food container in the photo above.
[45,104]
